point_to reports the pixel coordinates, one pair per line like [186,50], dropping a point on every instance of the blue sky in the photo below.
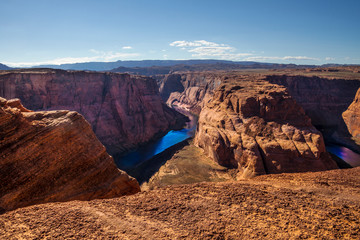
[293,31]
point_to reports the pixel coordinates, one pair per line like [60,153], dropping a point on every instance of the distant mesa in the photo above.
[53,156]
[165,66]
[4,67]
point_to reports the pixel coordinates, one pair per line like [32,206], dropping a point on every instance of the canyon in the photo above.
[257,167]
[50,156]
[189,90]
[124,111]
[324,100]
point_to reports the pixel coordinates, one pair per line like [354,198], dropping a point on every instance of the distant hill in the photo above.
[4,67]
[225,65]
[106,66]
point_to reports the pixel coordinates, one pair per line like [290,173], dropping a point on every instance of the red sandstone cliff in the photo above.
[258,128]
[352,118]
[53,156]
[123,110]
[324,100]
[189,90]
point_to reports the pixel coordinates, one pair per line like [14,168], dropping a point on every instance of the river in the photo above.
[132,159]
[350,157]
[173,137]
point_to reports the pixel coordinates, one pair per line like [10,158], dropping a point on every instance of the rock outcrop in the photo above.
[352,118]
[123,110]
[324,100]
[258,128]
[53,156]
[197,88]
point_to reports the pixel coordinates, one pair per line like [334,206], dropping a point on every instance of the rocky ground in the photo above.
[319,205]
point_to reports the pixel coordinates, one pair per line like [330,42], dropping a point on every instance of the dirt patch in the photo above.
[188,165]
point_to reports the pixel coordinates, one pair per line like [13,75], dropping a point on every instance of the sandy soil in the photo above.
[188,165]
[322,205]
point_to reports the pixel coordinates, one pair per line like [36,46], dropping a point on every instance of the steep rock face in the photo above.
[197,89]
[171,83]
[324,100]
[123,110]
[53,156]
[258,128]
[352,118]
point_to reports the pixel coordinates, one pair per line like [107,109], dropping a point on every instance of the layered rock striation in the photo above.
[324,100]
[352,118]
[258,128]
[189,90]
[53,156]
[123,110]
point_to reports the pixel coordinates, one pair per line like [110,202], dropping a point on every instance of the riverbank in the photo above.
[133,159]
[186,166]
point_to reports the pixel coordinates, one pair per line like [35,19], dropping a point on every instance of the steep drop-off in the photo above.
[189,90]
[124,111]
[53,156]
[258,128]
[352,118]
[324,100]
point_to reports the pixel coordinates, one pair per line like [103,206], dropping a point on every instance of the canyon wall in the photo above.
[123,110]
[352,118]
[258,128]
[189,90]
[52,156]
[324,100]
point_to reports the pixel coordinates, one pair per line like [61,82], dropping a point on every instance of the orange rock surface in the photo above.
[53,156]
[123,110]
[321,205]
[258,128]
[352,118]
[198,88]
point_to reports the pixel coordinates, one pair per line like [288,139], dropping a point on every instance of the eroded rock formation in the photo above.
[197,88]
[352,118]
[124,111]
[258,128]
[53,156]
[324,100]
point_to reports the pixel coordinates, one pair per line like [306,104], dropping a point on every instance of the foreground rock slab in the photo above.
[322,205]
[53,156]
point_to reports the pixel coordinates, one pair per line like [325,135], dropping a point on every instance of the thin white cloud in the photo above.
[289,58]
[300,58]
[206,49]
[197,43]
[101,56]
[127,47]
[329,58]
